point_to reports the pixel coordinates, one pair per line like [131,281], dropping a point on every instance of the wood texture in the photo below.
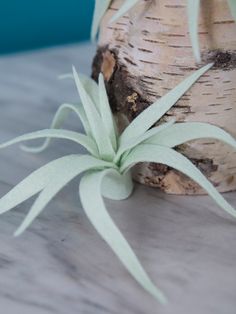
[153,53]
[60,265]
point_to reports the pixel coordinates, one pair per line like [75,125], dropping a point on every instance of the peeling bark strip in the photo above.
[147,53]
[124,99]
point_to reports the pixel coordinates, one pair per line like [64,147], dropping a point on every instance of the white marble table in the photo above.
[61,265]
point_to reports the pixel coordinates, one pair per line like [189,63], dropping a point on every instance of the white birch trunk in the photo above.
[146,53]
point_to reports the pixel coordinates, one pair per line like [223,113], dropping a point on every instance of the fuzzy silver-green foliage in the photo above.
[100,9]
[232,6]
[193,8]
[107,165]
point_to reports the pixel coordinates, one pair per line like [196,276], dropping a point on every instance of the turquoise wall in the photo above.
[31,24]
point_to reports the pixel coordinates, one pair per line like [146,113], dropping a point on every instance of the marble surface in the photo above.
[61,265]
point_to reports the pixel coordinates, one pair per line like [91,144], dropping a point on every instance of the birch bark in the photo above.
[146,53]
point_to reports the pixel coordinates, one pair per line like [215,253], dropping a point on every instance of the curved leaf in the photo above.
[116,186]
[180,133]
[57,122]
[78,138]
[31,185]
[100,9]
[171,158]
[152,133]
[89,84]
[95,209]
[193,14]
[106,113]
[97,128]
[154,112]
[128,4]
[232,5]
[70,167]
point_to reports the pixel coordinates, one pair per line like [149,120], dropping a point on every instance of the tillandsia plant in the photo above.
[193,7]
[107,166]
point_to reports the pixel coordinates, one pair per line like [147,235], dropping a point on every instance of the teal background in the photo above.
[31,24]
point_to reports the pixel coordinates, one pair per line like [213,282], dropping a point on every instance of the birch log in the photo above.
[146,53]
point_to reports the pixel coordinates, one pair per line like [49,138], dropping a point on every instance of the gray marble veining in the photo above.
[60,265]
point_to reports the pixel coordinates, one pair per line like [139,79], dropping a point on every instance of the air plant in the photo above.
[107,166]
[193,7]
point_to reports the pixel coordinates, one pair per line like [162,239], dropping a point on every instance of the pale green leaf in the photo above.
[152,133]
[31,185]
[180,133]
[100,9]
[76,137]
[154,112]
[116,186]
[66,76]
[127,5]
[101,220]
[106,113]
[232,5]
[97,127]
[89,85]
[171,158]
[71,167]
[57,122]
[193,15]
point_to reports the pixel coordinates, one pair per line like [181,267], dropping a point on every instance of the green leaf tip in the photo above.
[193,14]
[100,9]
[102,222]
[155,111]
[232,6]
[165,155]
[106,171]
[58,120]
[95,122]
[127,5]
